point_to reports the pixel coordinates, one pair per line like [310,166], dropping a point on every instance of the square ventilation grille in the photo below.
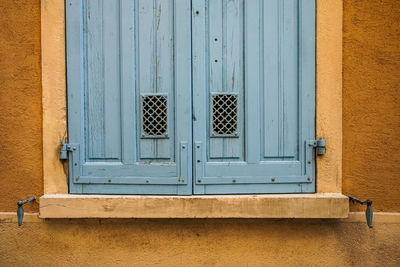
[154,116]
[224,117]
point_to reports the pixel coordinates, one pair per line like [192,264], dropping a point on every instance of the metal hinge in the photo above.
[65,148]
[319,145]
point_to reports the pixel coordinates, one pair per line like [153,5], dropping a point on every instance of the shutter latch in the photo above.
[20,210]
[368,212]
[64,150]
[319,145]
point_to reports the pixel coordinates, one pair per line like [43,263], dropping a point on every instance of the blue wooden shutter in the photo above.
[129,98]
[253,96]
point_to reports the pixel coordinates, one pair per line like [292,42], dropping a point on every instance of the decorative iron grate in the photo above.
[154,116]
[224,115]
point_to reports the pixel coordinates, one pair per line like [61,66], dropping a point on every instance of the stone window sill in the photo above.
[328,205]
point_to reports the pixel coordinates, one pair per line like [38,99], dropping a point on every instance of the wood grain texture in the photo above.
[118,53]
[263,51]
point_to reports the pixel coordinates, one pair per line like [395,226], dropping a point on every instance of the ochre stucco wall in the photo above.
[371,113]
[370,170]
[371,102]
[198,243]
[20,103]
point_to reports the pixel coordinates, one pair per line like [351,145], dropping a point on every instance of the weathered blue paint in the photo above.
[261,51]
[118,51]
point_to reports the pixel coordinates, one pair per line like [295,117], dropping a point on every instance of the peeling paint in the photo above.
[158,16]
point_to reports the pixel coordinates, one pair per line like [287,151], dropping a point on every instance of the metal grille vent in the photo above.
[154,116]
[224,115]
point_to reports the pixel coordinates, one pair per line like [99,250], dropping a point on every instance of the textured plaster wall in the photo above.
[371,102]
[198,243]
[20,103]
[370,169]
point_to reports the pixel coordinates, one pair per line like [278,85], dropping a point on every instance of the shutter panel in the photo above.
[254,96]
[129,99]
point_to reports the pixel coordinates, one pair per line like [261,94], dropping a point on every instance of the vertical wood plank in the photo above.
[307,80]
[146,72]
[95,79]
[271,84]
[183,84]
[165,69]
[103,83]
[157,69]
[216,41]
[112,88]
[128,82]
[233,69]
[200,66]
[252,81]
[75,80]
[290,69]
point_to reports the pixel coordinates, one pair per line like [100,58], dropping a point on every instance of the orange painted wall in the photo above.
[371,102]
[371,169]
[20,103]
[205,242]
[371,156]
